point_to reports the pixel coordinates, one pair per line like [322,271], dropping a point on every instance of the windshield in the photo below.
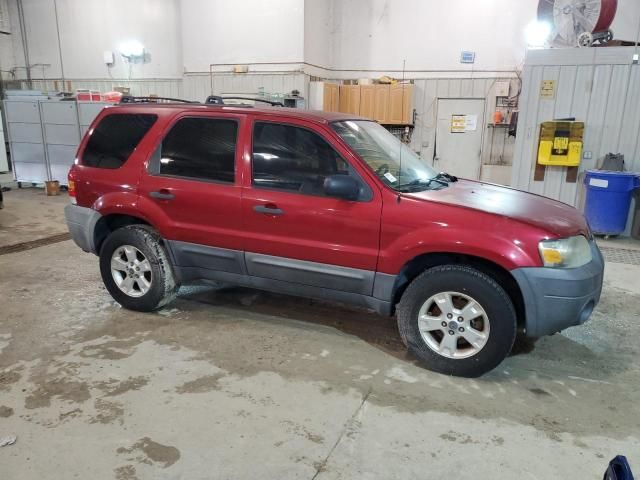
[393,162]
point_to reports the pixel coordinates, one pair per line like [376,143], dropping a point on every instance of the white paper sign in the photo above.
[389,176]
[471,123]
[597,182]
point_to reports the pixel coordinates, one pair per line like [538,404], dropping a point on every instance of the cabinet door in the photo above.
[367,101]
[331,97]
[401,99]
[350,99]
[381,103]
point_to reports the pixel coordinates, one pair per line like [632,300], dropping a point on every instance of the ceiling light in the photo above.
[537,33]
[132,48]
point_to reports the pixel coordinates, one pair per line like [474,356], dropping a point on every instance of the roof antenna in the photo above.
[404,64]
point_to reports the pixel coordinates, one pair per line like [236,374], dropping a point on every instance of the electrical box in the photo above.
[560,143]
[108,57]
[502,88]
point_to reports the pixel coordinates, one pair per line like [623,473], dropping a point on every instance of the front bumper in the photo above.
[558,298]
[81,222]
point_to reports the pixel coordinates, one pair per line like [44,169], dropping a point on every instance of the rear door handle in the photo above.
[163,194]
[268,210]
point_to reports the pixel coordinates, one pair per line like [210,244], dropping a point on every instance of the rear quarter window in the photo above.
[115,138]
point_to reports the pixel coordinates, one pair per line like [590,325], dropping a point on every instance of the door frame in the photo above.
[482,133]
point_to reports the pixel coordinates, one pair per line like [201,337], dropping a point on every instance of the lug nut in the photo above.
[461,329]
[451,332]
[449,316]
[444,324]
[460,319]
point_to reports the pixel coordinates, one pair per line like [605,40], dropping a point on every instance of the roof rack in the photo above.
[132,99]
[219,100]
[211,100]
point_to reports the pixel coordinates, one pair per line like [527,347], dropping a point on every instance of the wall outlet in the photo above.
[587,155]
[636,58]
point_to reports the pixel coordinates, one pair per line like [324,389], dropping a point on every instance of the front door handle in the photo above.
[163,194]
[269,209]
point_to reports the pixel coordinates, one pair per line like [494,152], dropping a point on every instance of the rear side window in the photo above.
[115,138]
[200,149]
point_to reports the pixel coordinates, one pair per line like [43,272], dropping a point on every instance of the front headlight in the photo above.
[566,252]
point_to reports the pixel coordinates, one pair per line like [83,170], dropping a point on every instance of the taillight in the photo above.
[71,186]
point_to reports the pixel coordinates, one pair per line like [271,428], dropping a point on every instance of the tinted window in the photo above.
[200,148]
[115,138]
[293,158]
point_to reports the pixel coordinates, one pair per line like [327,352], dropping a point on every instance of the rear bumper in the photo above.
[81,222]
[556,298]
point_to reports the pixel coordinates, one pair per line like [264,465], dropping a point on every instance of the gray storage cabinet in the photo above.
[44,135]
[61,136]
[26,143]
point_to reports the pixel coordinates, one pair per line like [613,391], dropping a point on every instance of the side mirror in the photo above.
[342,186]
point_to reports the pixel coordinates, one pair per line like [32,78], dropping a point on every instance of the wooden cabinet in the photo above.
[367,101]
[331,97]
[387,104]
[400,101]
[381,99]
[350,99]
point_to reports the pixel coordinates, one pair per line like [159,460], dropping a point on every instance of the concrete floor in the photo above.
[241,384]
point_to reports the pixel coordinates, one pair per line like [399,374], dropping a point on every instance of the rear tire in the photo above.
[467,321]
[136,270]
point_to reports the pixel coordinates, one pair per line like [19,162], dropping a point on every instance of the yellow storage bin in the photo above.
[560,143]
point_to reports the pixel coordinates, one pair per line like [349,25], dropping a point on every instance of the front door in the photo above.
[459,137]
[193,185]
[296,233]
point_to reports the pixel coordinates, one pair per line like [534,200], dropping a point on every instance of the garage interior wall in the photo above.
[599,86]
[192,45]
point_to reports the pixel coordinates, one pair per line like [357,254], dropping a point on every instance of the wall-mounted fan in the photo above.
[578,22]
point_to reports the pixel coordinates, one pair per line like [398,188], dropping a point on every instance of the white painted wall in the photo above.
[241,31]
[89,27]
[430,34]
[318,32]
[345,34]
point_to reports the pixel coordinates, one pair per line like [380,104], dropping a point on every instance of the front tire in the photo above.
[457,320]
[136,270]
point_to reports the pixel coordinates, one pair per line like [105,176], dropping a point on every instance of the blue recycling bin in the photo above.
[608,200]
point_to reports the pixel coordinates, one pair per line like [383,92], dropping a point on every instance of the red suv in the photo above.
[327,206]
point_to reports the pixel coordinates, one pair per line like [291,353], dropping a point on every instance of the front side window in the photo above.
[115,138]
[292,158]
[201,149]
[392,161]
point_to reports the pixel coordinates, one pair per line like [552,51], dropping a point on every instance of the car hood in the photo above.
[556,218]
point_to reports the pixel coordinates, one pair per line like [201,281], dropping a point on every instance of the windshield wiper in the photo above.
[446,176]
[420,184]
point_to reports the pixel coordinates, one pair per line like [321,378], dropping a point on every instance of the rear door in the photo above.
[191,185]
[294,232]
[459,137]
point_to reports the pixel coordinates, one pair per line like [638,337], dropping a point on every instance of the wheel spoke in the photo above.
[144,266]
[449,343]
[130,253]
[143,284]
[476,338]
[427,323]
[471,310]
[127,284]
[118,264]
[444,302]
